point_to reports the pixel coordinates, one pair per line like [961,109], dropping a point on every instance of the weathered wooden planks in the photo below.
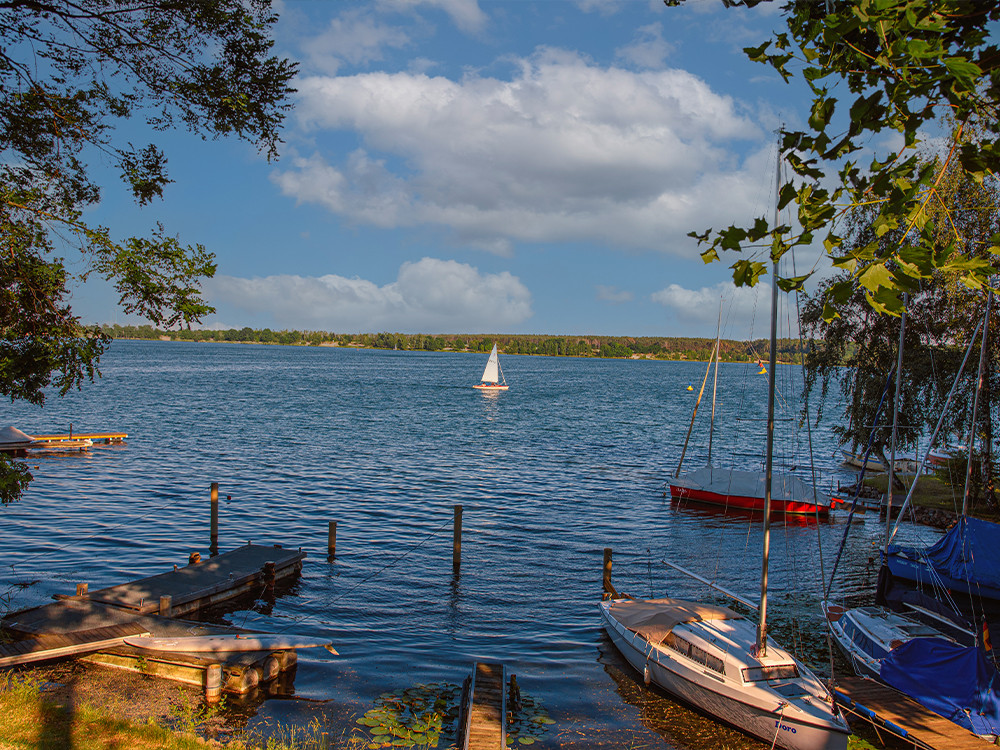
[486,722]
[61,645]
[922,727]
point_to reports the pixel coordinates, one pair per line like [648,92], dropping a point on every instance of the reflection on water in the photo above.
[549,473]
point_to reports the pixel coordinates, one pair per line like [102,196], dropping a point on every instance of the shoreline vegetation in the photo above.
[617,347]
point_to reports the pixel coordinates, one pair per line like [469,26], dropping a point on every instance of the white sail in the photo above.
[491,374]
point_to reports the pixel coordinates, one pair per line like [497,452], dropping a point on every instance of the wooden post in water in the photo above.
[331,540]
[213,684]
[456,542]
[81,589]
[607,587]
[268,571]
[214,546]
[166,606]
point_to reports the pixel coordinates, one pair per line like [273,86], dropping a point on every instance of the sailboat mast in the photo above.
[715,380]
[975,406]
[768,460]
[895,425]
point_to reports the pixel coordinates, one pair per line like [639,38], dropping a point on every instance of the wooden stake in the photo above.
[331,540]
[213,684]
[456,543]
[81,589]
[214,546]
[166,606]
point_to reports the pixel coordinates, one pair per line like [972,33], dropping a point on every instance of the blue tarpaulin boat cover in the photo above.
[956,682]
[968,551]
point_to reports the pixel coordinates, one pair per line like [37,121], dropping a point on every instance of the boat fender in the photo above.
[647,676]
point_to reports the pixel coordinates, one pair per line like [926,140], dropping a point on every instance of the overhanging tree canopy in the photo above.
[906,64]
[70,72]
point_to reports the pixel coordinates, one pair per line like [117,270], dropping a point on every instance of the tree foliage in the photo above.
[942,317]
[71,73]
[906,65]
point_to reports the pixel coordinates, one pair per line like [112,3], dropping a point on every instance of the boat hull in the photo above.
[917,573]
[224,644]
[700,691]
[744,502]
[491,387]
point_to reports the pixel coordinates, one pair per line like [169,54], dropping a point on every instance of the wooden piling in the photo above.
[456,544]
[331,540]
[269,577]
[214,546]
[609,590]
[213,684]
[81,589]
[167,606]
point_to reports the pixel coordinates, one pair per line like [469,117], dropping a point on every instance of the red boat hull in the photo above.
[742,502]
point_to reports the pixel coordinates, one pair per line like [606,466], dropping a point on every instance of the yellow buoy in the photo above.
[690,387]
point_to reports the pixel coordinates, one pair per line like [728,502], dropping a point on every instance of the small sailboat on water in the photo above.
[493,379]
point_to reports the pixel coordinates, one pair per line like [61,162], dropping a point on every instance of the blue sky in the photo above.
[496,166]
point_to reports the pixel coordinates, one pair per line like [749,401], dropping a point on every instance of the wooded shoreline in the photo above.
[616,347]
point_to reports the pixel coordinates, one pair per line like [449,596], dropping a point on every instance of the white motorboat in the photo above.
[705,655]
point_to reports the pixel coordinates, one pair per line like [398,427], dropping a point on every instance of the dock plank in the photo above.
[487,725]
[228,574]
[926,727]
[80,642]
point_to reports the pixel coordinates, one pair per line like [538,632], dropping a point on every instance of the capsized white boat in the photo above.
[228,643]
[493,379]
[705,655]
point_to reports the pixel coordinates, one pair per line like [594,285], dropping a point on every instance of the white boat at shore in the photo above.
[228,643]
[705,655]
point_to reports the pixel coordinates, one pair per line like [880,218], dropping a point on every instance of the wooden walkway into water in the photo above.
[111,438]
[485,708]
[888,708]
[95,624]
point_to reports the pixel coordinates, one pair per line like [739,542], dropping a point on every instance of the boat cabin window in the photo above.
[773,672]
[699,655]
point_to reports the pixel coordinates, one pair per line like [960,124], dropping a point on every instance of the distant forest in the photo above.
[619,347]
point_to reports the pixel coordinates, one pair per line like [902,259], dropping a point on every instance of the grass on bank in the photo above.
[931,492]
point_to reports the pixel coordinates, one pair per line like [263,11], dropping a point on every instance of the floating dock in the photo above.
[891,710]
[93,625]
[109,438]
[484,709]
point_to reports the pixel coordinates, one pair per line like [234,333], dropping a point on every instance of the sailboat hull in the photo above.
[744,490]
[759,716]
[490,387]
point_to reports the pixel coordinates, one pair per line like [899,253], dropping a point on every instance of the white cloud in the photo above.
[465,14]
[429,295]
[564,151]
[613,294]
[746,311]
[648,49]
[356,37]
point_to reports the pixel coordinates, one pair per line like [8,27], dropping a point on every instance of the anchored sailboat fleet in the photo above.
[722,663]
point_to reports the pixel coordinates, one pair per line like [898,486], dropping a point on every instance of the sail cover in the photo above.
[490,374]
[738,483]
[13,437]
[968,551]
[653,619]
[956,682]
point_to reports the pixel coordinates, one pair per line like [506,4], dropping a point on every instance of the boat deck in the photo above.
[885,707]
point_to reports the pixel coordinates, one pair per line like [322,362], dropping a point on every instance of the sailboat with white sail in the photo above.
[493,379]
[721,662]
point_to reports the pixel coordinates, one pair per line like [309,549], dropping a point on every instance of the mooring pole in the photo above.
[214,545]
[608,588]
[331,540]
[456,544]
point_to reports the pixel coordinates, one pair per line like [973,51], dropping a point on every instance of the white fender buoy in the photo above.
[646,676]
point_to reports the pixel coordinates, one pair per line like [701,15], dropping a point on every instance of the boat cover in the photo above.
[784,486]
[11,436]
[968,551]
[956,682]
[653,619]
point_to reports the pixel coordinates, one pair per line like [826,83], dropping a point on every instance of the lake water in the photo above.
[571,460]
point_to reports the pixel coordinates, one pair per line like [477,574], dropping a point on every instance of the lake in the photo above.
[571,460]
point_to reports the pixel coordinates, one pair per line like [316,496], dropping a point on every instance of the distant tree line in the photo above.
[618,347]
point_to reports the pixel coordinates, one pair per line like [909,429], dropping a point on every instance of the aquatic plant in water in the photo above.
[424,716]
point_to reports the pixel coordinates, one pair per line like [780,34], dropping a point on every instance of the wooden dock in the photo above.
[485,709]
[110,438]
[94,624]
[884,707]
